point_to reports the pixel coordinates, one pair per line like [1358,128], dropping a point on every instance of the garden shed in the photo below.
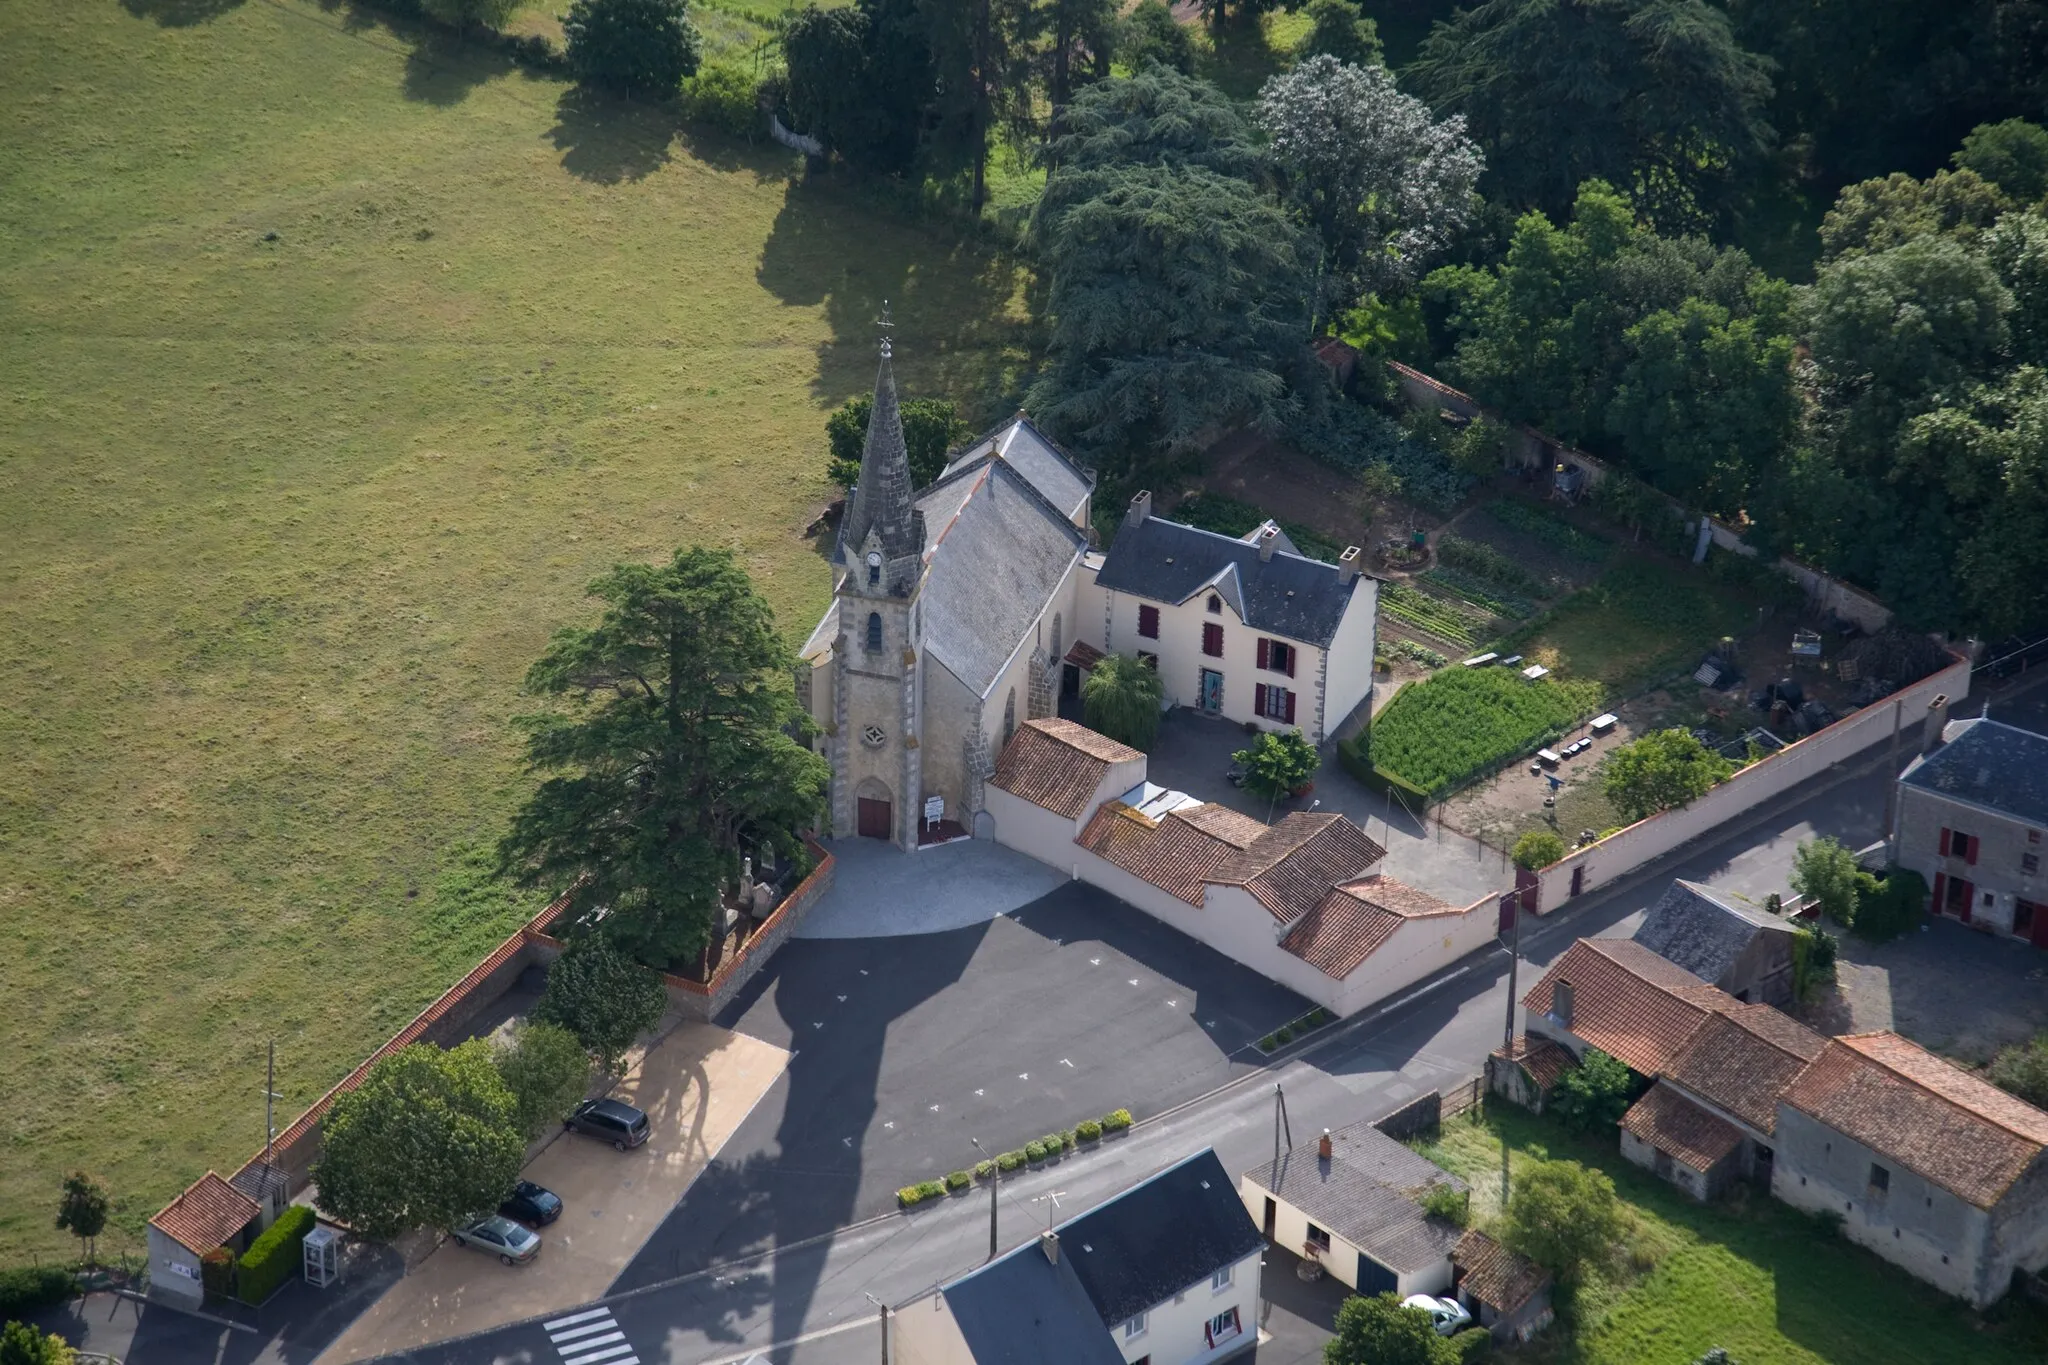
[210,1214]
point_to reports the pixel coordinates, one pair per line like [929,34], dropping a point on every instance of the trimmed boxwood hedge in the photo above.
[957,1181]
[275,1256]
[1087,1130]
[1116,1120]
[29,1288]
[912,1195]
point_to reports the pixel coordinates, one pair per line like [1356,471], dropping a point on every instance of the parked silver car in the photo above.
[499,1236]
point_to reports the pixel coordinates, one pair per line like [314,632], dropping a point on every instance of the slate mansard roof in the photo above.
[996,553]
[1033,454]
[1366,1193]
[1703,931]
[1990,764]
[1302,599]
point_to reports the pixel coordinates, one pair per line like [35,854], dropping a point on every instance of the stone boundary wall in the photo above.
[297,1146]
[1647,840]
[1531,448]
[1419,1115]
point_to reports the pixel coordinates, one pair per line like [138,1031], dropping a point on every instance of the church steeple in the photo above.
[881,506]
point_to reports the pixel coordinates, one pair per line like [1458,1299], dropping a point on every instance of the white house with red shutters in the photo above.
[1246,629]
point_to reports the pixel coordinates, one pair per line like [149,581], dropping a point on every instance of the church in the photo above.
[965,608]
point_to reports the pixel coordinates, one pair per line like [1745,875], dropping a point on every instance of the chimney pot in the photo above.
[1347,565]
[1323,1148]
[1269,539]
[1049,1243]
[1937,721]
[1141,507]
[1561,1003]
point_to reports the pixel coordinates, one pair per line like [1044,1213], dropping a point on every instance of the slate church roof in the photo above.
[1703,931]
[1990,764]
[1302,599]
[1020,444]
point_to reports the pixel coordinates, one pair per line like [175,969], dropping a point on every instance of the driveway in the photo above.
[1193,753]
[697,1085]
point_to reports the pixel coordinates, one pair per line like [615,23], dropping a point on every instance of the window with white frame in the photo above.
[1221,1279]
[1222,1327]
[1134,1326]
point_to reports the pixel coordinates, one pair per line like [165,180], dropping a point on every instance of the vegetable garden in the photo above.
[1459,724]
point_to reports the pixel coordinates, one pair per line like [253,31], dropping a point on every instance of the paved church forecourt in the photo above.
[698,1085]
[881,892]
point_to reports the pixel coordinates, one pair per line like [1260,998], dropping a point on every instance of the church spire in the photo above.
[881,501]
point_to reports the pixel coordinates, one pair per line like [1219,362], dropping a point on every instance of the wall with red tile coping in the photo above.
[298,1146]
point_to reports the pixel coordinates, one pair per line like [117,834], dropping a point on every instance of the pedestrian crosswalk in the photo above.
[591,1337]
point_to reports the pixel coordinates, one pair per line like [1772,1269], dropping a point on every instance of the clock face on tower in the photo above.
[874,566]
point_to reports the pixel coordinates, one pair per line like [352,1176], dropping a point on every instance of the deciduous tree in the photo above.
[1563,1216]
[858,80]
[1151,35]
[666,750]
[931,427]
[1825,873]
[1594,1094]
[547,1068]
[1382,184]
[1338,29]
[24,1343]
[2011,154]
[429,1139]
[2022,1069]
[1121,699]
[1655,97]
[1663,769]
[463,14]
[82,1211]
[602,997]
[1278,762]
[1379,1331]
[1537,849]
[636,47]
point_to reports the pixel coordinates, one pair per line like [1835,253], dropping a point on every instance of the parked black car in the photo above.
[615,1121]
[532,1205]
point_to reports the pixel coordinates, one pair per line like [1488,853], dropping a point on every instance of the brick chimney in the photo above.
[1141,507]
[1561,1003]
[1269,540]
[1323,1147]
[1937,721]
[1347,565]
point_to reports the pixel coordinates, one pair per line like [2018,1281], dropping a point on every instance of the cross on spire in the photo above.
[885,326]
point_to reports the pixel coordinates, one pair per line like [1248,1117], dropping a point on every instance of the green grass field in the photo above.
[1769,1285]
[1645,620]
[287,519]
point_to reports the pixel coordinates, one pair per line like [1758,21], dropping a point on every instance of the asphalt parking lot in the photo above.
[905,1048]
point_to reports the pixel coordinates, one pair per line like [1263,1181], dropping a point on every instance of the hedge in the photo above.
[30,1288]
[1116,1120]
[1087,1130]
[912,1195]
[274,1257]
[1010,1161]
[957,1181]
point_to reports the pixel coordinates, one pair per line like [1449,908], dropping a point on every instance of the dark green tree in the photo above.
[1655,97]
[859,77]
[1337,28]
[1079,38]
[2022,1069]
[1538,849]
[1825,873]
[547,1068]
[1121,699]
[1662,770]
[931,428]
[979,80]
[665,751]
[429,1139]
[82,1211]
[1379,1331]
[1150,34]
[24,1343]
[2012,154]
[636,47]
[468,14]
[602,997]
[1278,762]
[1877,215]
[1157,117]
[1592,1096]
[1562,1216]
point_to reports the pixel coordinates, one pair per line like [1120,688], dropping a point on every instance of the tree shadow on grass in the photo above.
[443,68]
[609,140]
[952,296]
[180,13]
[768,160]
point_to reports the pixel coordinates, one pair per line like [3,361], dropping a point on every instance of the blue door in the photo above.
[1374,1278]
[1212,691]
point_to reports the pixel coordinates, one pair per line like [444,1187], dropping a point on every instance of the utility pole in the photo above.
[883,1309]
[270,1097]
[1891,786]
[995,1178]
[1514,961]
[1280,1122]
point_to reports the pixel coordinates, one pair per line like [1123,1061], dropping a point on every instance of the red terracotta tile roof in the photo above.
[1294,864]
[1628,1002]
[206,1215]
[1911,1107]
[1176,853]
[1542,1059]
[1057,764]
[1503,1280]
[1353,920]
[1742,1059]
[1084,655]
[1672,1123]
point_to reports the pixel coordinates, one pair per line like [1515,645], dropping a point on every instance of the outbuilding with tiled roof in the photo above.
[1681,1141]
[1618,996]
[210,1214]
[1507,1292]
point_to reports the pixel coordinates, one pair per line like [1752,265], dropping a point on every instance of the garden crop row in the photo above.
[1558,535]
[1432,614]
[1464,722]
[1483,560]
[1472,588]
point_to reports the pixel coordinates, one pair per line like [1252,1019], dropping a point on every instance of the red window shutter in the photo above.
[1943,845]
[1291,652]
[1290,706]
[1258,699]
[1970,857]
[1941,891]
[1265,653]
[1212,640]
[1209,1334]
[1148,622]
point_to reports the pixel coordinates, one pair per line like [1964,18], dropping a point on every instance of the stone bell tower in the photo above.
[877,781]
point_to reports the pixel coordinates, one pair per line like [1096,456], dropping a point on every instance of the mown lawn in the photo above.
[1644,621]
[287,519]
[1771,1286]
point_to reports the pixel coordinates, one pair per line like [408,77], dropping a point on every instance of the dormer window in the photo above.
[874,567]
[1215,605]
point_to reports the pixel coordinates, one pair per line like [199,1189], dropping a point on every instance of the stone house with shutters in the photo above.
[1973,822]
